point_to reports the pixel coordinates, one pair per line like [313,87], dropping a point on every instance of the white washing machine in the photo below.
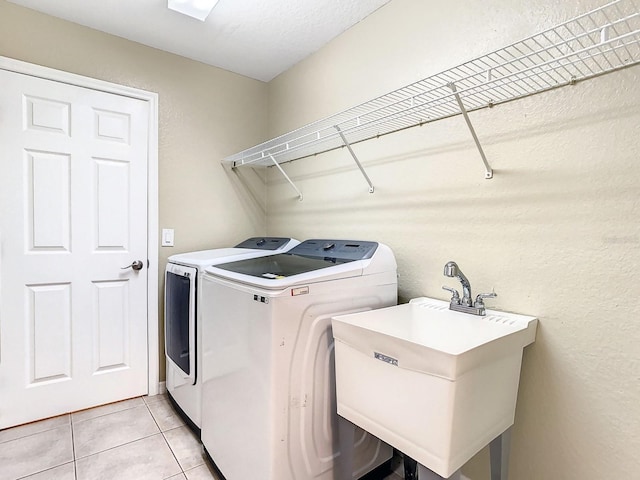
[183,324]
[269,407]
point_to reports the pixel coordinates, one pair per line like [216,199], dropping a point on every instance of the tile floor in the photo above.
[138,439]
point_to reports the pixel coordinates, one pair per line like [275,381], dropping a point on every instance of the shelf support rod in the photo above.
[488,170]
[275,162]
[348,145]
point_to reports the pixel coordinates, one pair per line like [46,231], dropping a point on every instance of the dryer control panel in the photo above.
[264,243]
[347,250]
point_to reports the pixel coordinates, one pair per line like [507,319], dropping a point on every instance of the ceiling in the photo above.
[256,38]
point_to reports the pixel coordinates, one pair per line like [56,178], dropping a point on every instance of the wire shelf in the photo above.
[598,42]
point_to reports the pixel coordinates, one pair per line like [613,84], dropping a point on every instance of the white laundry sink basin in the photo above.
[436,384]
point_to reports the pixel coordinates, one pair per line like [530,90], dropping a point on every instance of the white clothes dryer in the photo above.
[183,313]
[269,407]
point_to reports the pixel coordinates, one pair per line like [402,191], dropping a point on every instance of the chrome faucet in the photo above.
[464,304]
[451,269]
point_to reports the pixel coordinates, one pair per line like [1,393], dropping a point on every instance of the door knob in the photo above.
[136,265]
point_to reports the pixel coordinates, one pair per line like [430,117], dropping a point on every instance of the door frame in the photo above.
[46,73]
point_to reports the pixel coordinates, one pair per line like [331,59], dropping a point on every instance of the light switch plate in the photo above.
[167,237]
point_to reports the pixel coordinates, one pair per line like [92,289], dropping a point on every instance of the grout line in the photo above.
[174,454]
[154,399]
[154,418]
[118,446]
[126,443]
[106,413]
[206,465]
[182,470]
[173,412]
[165,438]
[73,449]
[42,471]
[52,466]
[35,433]
[75,459]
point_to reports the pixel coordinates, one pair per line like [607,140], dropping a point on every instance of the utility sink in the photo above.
[436,384]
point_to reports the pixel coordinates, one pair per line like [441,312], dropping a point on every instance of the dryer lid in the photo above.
[251,247]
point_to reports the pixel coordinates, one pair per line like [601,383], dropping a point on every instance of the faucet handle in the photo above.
[479,298]
[455,296]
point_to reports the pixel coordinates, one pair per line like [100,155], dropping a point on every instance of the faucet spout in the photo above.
[452,270]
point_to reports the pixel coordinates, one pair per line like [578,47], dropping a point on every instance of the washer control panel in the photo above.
[341,249]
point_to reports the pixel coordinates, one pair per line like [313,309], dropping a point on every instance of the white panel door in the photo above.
[73,198]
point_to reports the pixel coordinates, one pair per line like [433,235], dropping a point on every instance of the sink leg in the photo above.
[346,435]
[499,453]
[410,468]
[425,474]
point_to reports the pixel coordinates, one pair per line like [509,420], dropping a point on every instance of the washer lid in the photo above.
[271,272]
[280,266]
[310,255]
[322,260]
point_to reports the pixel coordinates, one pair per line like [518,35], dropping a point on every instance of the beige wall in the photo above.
[555,232]
[205,114]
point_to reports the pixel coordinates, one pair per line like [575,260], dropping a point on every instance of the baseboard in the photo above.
[162,389]
[462,477]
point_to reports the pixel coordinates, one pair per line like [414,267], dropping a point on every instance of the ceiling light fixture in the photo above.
[199,9]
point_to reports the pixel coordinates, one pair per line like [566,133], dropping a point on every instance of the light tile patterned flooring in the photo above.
[138,439]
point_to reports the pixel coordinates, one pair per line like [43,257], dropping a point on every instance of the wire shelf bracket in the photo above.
[348,145]
[284,174]
[488,173]
[595,43]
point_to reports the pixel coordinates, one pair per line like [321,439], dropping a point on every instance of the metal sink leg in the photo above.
[410,468]
[346,436]
[499,453]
